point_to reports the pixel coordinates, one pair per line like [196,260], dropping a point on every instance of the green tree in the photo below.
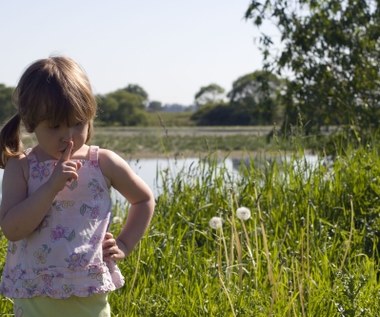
[107,108]
[255,97]
[122,107]
[154,106]
[7,108]
[210,94]
[330,49]
[215,114]
[137,90]
[253,100]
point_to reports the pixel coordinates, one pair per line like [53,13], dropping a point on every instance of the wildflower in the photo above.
[243,213]
[216,222]
[117,219]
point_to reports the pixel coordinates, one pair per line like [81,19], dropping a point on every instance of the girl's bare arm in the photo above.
[138,194]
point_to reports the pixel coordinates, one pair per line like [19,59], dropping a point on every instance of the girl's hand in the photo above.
[65,169]
[112,249]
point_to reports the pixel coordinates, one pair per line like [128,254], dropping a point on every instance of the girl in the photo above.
[56,206]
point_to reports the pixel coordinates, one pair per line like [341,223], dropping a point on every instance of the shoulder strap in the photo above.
[28,151]
[30,155]
[94,154]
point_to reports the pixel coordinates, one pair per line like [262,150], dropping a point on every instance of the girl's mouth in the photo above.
[64,149]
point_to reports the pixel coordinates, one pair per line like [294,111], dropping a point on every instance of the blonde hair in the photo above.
[55,89]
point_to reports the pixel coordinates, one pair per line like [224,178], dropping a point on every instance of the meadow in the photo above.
[285,238]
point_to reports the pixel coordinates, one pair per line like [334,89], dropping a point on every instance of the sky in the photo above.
[171,48]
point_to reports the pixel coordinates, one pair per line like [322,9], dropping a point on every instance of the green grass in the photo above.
[309,249]
[169,119]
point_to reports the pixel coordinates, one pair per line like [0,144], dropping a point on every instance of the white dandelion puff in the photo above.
[216,223]
[243,213]
[117,219]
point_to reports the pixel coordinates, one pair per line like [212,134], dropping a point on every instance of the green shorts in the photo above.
[93,306]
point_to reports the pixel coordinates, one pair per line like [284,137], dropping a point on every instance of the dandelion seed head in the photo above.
[243,213]
[216,223]
[117,219]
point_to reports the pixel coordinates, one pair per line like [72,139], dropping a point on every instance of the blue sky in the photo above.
[171,48]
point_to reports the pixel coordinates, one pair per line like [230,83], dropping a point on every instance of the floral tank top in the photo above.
[63,256]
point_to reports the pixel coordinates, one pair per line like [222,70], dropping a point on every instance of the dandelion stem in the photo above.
[348,242]
[136,272]
[266,250]
[225,251]
[227,295]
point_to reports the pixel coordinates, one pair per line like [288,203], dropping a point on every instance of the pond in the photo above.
[150,170]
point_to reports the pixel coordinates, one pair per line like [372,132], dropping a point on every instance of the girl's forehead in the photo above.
[59,116]
[68,119]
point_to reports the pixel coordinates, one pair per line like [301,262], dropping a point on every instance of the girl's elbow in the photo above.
[11,233]
[10,236]
[149,199]
[152,202]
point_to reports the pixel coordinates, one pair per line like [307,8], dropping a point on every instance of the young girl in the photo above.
[56,205]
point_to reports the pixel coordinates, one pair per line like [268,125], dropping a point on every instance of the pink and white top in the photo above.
[63,256]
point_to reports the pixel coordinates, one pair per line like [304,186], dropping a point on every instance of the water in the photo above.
[150,170]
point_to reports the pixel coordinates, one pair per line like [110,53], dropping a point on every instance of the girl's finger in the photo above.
[67,153]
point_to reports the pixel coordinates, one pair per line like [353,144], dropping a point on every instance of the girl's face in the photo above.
[53,140]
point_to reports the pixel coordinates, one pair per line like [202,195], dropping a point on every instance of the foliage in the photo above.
[331,50]
[6,105]
[137,90]
[154,106]
[210,94]
[215,114]
[123,107]
[258,93]
[253,100]
[169,119]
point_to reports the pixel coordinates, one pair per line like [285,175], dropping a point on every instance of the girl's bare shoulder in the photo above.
[112,163]
[108,157]
[17,166]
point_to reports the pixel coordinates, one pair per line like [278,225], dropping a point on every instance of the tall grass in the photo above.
[310,247]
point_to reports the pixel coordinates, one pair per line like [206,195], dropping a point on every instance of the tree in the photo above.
[154,106]
[7,108]
[123,107]
[253,100]
[210,94]
[215,114]
[330,49]
[137,90]
[256,97]
[107,108]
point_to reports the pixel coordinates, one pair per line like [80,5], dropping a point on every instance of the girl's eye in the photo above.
[55,127]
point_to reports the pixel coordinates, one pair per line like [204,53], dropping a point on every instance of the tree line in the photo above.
[251,101]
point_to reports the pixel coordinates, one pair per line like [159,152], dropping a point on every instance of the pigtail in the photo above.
[10,140]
